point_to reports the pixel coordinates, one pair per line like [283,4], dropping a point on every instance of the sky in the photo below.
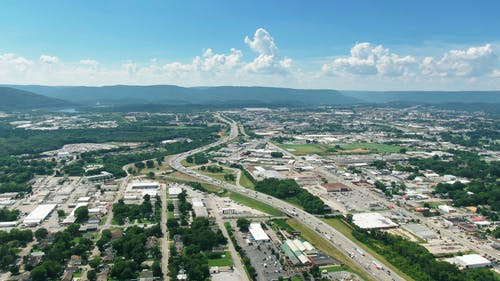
[333,44]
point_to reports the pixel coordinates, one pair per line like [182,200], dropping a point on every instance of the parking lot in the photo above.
[262,258]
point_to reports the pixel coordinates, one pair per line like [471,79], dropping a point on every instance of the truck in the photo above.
[377,265]
[361,252]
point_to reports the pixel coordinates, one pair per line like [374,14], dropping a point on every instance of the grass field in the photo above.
[219,176]
[348,148]
[252,203]
[371,147]
[325,246]
[305,149]
[346,230]
[246,182]
[224,261]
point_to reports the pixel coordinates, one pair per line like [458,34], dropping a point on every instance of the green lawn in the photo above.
[321,243]
[346,230]
[252,203]
[297,278]
[372,147]
[311,148]
[219,176]
[246,182]
[224,261]
[328,149]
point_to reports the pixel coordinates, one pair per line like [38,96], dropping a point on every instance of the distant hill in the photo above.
[14,99]
[122,95]
[169,94]
[426,97]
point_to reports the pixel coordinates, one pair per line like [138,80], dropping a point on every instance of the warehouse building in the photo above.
[199,207]
[469,261]
[39,214]
[373,221]
[258,234]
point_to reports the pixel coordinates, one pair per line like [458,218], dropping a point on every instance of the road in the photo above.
[164,240]
[340,241]
[238,265]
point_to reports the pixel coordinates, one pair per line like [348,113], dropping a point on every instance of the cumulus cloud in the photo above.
[14,62]
[267,60]
[472,62]
[89,62]
[366,59]
[49,59]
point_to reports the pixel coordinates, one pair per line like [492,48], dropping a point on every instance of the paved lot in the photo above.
[265,263]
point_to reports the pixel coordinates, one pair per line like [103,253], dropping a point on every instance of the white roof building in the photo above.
[39,214]
[258,234]
[446,208]
[372,220]
[470,261]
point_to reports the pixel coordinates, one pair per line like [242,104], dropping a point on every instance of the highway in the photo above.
[366,261]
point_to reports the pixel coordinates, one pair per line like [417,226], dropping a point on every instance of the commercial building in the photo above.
[199,207]
[144,185]
[373,221]
[446,209]
[470,261]
[258,234]
[335,187]
[39,214]
[103,176]
[174,190]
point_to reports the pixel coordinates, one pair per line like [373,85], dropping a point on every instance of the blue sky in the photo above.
[377,45]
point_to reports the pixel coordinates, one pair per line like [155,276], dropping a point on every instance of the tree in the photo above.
[150,164]
[403,150]
[243,224]
[276,154]
[41,234]
[95,262]
[139,165]
[82,214]
[61,214]
[92,275]
[38,273]
[151,175]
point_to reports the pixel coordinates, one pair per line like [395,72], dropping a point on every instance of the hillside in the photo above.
[169,94]
[15,99]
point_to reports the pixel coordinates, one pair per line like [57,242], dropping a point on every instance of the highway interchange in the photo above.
[365,260]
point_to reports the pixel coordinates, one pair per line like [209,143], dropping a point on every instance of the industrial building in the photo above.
[199,207]
[258,234]
[469,261]
[103,176]
[302,253]
[373,221]
[39,214]
[174,190]
[335,187]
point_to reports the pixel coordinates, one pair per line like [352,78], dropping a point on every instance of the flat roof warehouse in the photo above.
[39,214]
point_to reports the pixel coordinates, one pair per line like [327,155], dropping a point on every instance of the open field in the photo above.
[346,230]
[246,182]
[252,203]
[311,148]
[224,261]
[219,176]
[348,148]
[371,147]
[325,246]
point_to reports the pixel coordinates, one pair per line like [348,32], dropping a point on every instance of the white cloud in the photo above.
[366,59]
[472,62]
[49,59]
[262,43]
[14,62]
[367,66]
[267,61]
[89,62]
